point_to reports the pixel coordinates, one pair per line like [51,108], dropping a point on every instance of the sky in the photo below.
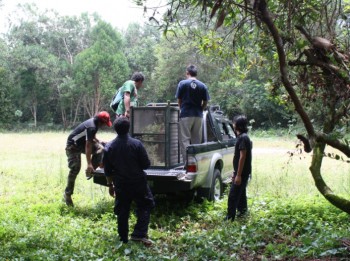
[119,13]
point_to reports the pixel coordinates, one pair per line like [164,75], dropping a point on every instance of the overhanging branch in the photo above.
[266,18]
[334,143]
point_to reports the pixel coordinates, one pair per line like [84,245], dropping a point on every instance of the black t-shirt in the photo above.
[85,131]
[243,143]
[125,158]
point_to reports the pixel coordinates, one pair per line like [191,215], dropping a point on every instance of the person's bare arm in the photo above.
[204,105]
[127,100]
[242,157]
[88,153]
[179,102]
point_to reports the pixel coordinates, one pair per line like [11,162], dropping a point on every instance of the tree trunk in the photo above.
[76,111]
[315,168]
[97,92]
[343,204]
[33,109]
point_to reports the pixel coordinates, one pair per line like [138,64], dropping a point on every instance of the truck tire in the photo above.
[216,190]
[214,193]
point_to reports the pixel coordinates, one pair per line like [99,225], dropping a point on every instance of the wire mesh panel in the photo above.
[174,150]
[157,128]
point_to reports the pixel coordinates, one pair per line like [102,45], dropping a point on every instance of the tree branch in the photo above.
[334,143]
[266,18]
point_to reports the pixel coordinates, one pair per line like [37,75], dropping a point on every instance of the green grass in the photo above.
[288,219]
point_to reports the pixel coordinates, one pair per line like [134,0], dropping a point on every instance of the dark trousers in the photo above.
[237,199]
[141,194]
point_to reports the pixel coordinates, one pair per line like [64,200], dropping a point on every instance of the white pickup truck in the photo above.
[209,164]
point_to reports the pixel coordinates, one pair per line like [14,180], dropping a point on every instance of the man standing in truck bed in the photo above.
[129,94]
[192,96]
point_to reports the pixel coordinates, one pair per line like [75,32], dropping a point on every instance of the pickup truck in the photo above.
[208,168]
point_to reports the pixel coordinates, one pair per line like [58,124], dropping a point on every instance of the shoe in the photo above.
[228,218]
[242,214]
[147,242]
[68,199]
[124,241]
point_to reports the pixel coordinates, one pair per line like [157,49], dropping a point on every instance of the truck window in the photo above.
[210,135]
[226,130]
[230,131]
[221,126]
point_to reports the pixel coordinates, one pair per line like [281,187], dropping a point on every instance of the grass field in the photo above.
[288,217]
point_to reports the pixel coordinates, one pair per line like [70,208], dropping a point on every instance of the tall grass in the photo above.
[288,217]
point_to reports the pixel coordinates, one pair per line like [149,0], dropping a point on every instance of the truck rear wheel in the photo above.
[216,190]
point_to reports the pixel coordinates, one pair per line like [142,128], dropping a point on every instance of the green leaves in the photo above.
[36,225]
[99,67]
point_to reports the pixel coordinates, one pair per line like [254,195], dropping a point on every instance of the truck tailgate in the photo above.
[171,174]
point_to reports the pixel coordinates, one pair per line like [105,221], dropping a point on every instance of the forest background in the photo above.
[56,71]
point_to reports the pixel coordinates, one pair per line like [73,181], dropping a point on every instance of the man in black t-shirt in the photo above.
[83,140]
[242,166]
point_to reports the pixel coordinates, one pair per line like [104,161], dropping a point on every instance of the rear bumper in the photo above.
[168,181]
[164,186]
[160,181]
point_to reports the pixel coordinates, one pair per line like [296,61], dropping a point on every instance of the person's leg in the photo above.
[233,199]
[185,136]
[196,130]
[242,206]
[144,205]
[122,210]
[74,165]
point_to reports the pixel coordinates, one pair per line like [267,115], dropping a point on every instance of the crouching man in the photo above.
[83,140]
[125,160]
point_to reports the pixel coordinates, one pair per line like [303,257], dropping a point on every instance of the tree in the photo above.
[36,69]
[99,68]
[66,38]
[140,53]
[303,38]
[61,37]
[7,108]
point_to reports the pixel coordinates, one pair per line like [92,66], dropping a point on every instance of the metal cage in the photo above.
[157,128]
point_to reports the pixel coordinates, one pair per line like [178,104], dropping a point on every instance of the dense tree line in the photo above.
[58,70]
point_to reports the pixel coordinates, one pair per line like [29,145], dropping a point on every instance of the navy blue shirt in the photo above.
[191,92]
[125,159]
[84,131]
[243,143]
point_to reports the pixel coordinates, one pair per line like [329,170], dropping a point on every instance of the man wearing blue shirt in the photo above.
[192,96]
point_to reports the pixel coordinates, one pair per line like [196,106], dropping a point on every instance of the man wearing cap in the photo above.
[83,140]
